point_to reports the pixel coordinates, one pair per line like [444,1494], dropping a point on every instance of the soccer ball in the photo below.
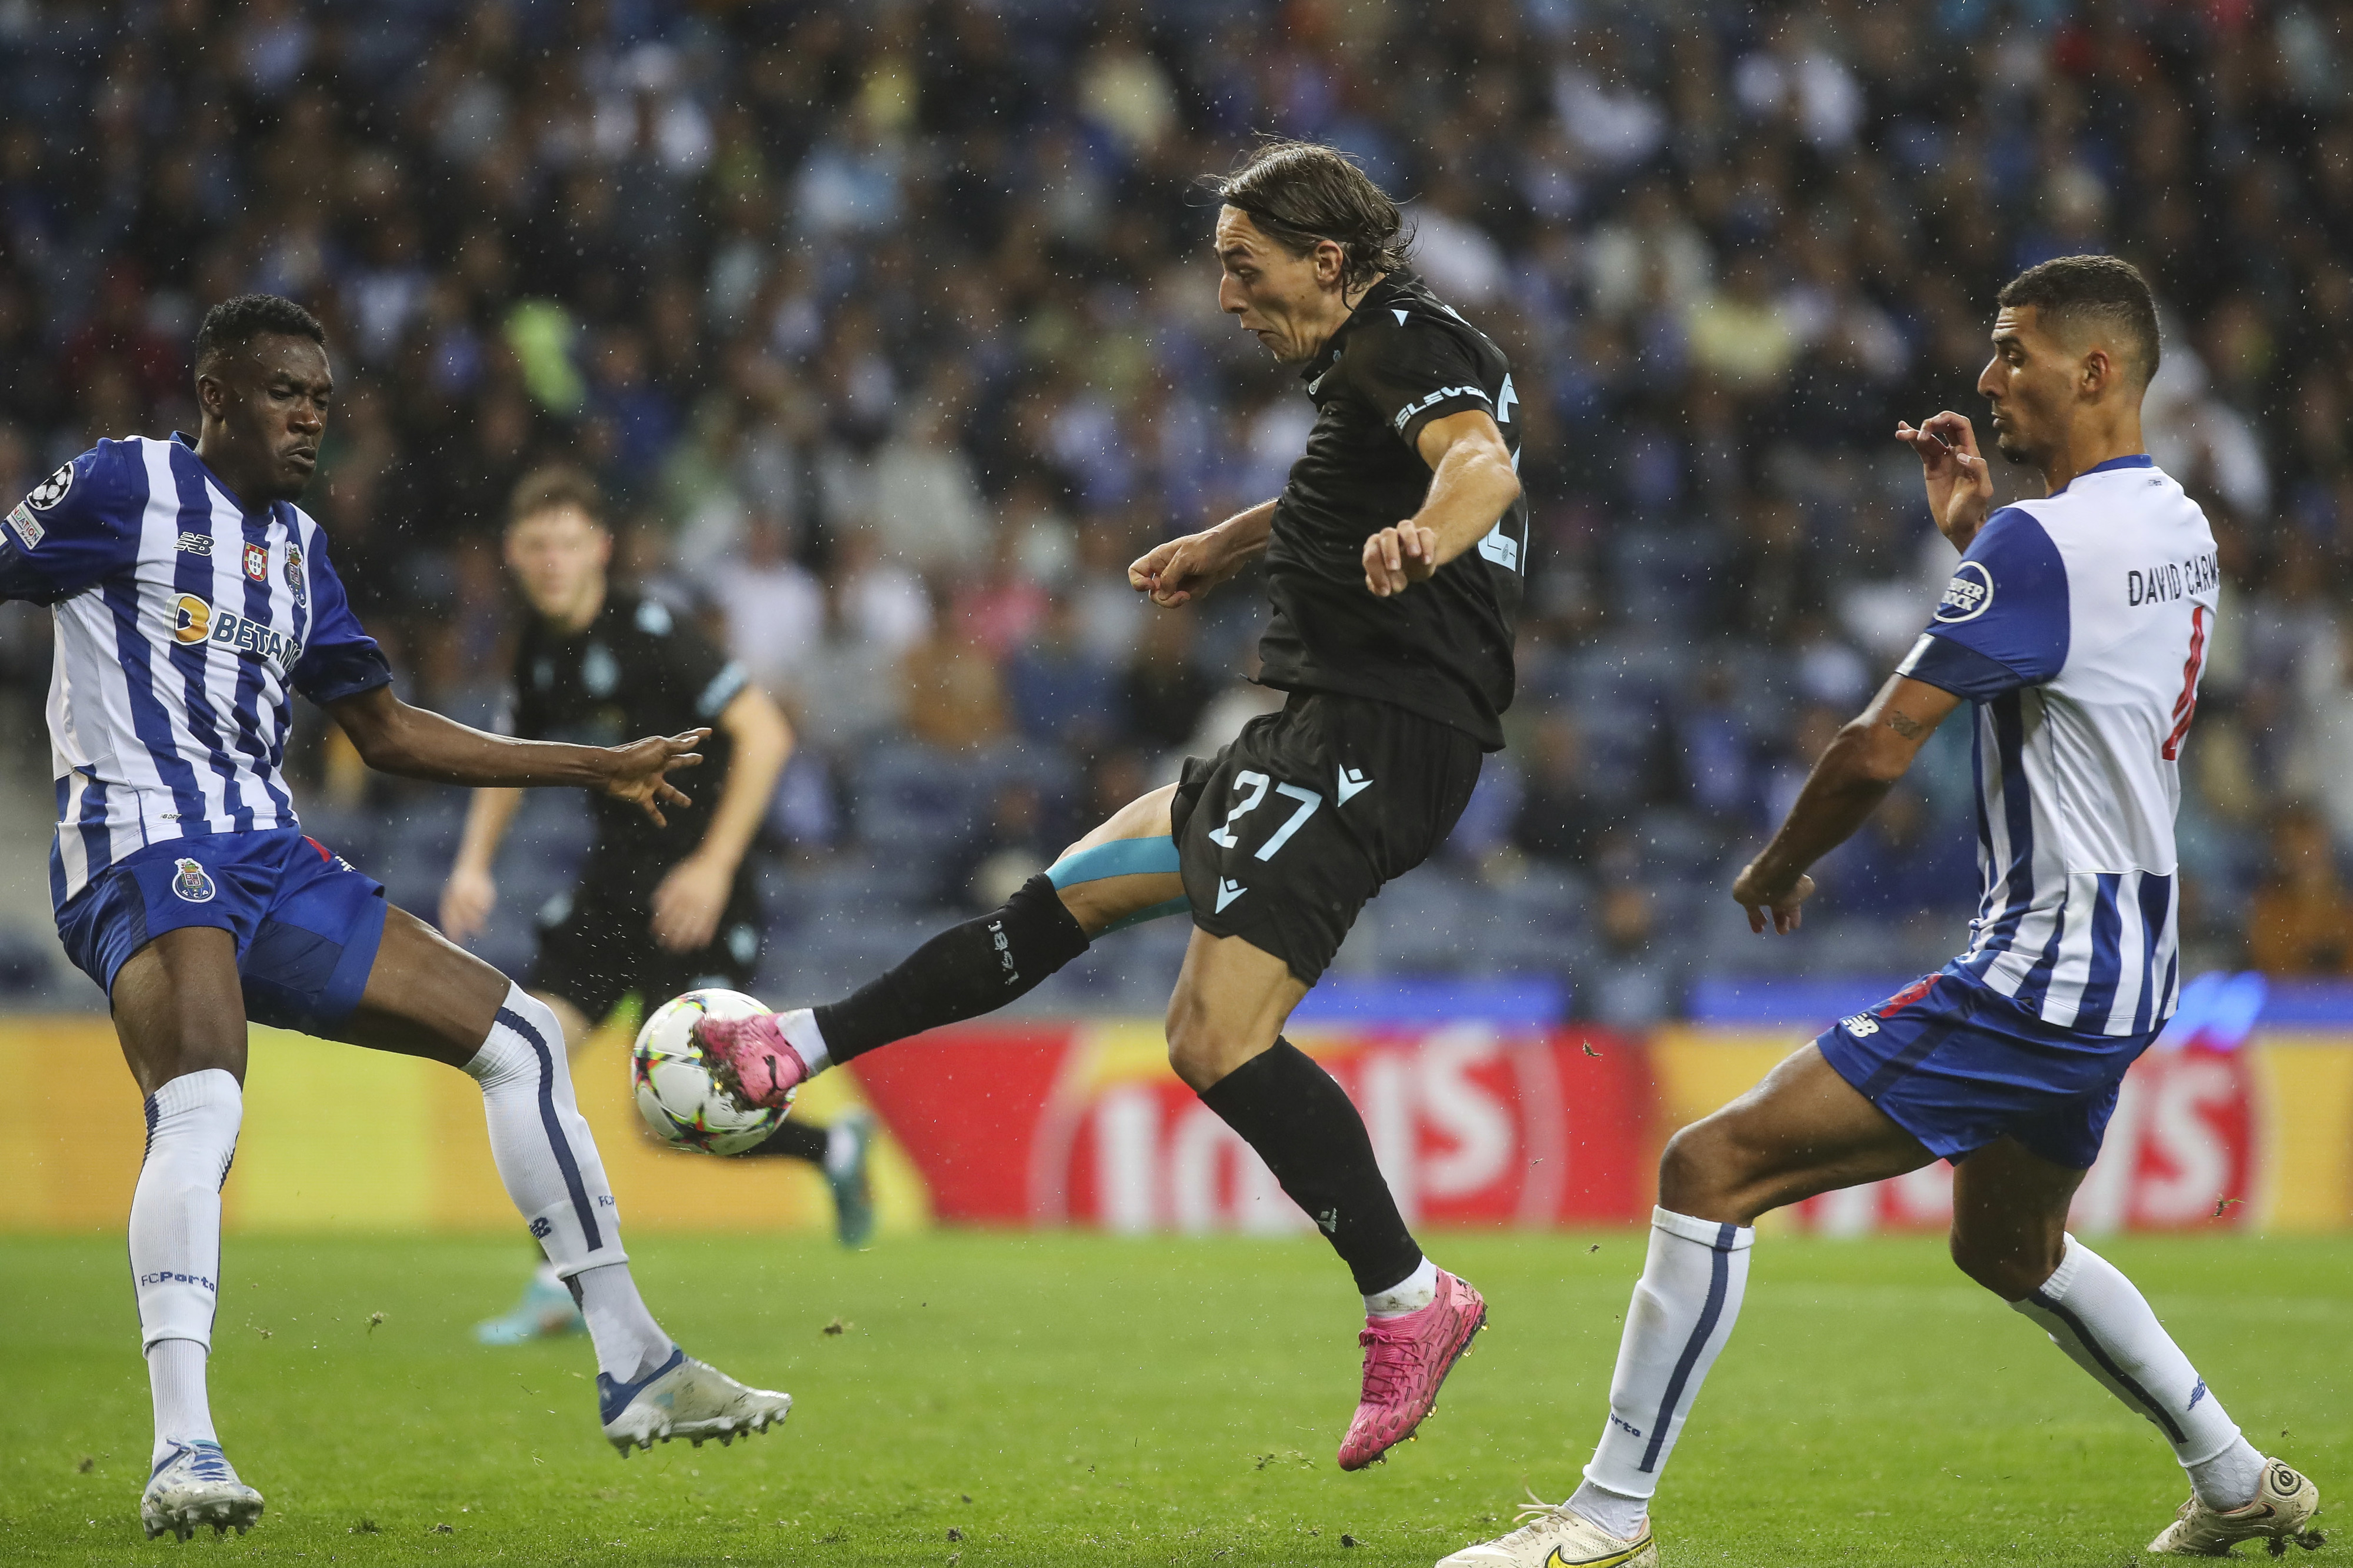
[676,1093]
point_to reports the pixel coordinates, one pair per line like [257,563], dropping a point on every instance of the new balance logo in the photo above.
[541,1228]
[2196,1394]
[1860,1024]
[1329,1221]
[1227,891]
[1352,784]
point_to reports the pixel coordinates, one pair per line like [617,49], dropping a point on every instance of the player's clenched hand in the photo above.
[1757,894]
[639,769]
[466,903]
[689,901]
[1960,485]
[1182,570]
[1396,558]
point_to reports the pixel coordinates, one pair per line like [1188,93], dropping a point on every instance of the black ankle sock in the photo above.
[1304,1126]
[791,1141]
[964,972]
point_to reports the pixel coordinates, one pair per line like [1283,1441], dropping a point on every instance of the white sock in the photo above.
[2095,1315]
[1620,1515]
[1683,1311]
[2231,1478]
[807,1041]
[840,1147]
[545,1275]
[175,1376]
[548,1161]
[192,1127]
[629,1343]
[1411,1294]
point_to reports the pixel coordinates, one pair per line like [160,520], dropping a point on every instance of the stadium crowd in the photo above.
[890,331]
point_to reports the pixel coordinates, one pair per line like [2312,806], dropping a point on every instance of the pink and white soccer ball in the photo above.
[675,1091]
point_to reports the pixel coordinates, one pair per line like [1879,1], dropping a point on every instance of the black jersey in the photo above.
[1443,648]
[636,672]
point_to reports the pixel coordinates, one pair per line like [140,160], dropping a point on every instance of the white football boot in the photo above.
[193,1486]
[2282,1512]
[1550,1536]
[684,1398]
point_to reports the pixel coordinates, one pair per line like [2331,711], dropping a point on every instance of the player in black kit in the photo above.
[1393,559]
[655,911]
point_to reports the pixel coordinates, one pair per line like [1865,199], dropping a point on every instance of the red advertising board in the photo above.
[1084,1124]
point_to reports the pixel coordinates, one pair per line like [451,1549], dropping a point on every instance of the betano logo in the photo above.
[195,621]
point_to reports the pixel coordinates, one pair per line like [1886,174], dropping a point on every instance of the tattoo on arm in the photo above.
[1904,724]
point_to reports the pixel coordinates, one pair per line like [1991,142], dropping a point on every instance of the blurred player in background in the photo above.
[657,911]
[2078,625]
[1393,557]
[192,599]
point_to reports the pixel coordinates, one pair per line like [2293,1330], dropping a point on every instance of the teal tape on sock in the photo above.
[1119,857]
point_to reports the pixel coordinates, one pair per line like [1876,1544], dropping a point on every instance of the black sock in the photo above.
[791,1141]
[964,972]
[1304,1126]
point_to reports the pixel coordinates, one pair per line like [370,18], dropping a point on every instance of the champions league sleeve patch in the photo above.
[51,490]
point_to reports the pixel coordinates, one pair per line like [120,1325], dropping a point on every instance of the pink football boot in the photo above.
[1406,1359]
[751,1059]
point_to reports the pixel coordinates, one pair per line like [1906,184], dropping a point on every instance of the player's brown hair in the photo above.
[556,485]
[1299,193]
[2106,288]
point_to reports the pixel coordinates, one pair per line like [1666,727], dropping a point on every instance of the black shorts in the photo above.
[596,945]
[1285,834]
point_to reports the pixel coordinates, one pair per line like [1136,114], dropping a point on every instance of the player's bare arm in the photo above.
[1960,486]
[1471,484]
[1851,777]
[1181,570]
[690,899]
[472,893]
[413,743]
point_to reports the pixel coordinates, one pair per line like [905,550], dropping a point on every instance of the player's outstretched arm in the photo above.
[393,738]
[1471,484]
[1851,778]
[1960,485]
[1182,570]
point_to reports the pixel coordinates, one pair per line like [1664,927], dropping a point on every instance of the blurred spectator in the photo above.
[894,332]
[2301,921]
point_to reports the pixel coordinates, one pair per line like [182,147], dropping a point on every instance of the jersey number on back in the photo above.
[2185,707]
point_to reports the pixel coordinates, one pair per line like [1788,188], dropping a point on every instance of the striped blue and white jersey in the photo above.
[2079,624]
[184,623]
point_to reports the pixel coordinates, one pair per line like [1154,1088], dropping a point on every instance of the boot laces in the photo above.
[1392,1357]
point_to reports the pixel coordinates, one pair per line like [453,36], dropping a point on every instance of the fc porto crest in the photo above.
[192,884]
[294,578]
[256,562]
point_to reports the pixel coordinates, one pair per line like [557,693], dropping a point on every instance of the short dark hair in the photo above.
[232,323]
[2102,288]
[551,488]
[1300,193]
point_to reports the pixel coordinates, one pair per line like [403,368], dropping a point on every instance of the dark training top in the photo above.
[635,672]
[1443,648]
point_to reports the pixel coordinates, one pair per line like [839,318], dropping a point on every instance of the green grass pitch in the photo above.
[1070,1399]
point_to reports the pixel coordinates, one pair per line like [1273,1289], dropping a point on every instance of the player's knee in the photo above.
[1197,1052]
[1693,1171]
[2011,1267]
